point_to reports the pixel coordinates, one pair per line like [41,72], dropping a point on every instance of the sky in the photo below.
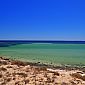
[42,20]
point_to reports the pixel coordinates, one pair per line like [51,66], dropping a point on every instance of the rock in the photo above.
[41,68]
[83,78]
[8,79]
[54,72]
[48,80]
[26,81]
[0,75]
[18,63]
[3,69]
[63,83]
[80,72]
[26,68]
[3,83]
[9,66]
[76,75]
[3,62]
[73,83]
[22,74]
[84,71]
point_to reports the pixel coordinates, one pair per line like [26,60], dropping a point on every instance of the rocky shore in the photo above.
[13,72]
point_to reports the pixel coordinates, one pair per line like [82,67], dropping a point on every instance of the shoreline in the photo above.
[59,66]
[14,72]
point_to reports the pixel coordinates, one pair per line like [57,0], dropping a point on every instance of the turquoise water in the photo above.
[46,53]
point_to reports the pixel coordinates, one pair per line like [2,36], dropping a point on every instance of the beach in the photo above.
[42,63]
[15,72]
[42,42]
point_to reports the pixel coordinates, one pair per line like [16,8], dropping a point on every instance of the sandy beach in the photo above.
[13,72]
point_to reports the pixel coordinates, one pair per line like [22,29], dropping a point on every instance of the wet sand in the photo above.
[14,72]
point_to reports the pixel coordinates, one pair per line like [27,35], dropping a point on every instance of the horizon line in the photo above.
[38,40]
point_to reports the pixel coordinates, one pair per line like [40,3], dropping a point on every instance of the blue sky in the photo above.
[42,19]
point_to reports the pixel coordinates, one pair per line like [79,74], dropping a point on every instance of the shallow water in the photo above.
[46,53]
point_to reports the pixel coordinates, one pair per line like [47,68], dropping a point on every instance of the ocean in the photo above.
[47,52]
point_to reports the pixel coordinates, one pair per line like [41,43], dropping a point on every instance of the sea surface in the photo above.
[48,52]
